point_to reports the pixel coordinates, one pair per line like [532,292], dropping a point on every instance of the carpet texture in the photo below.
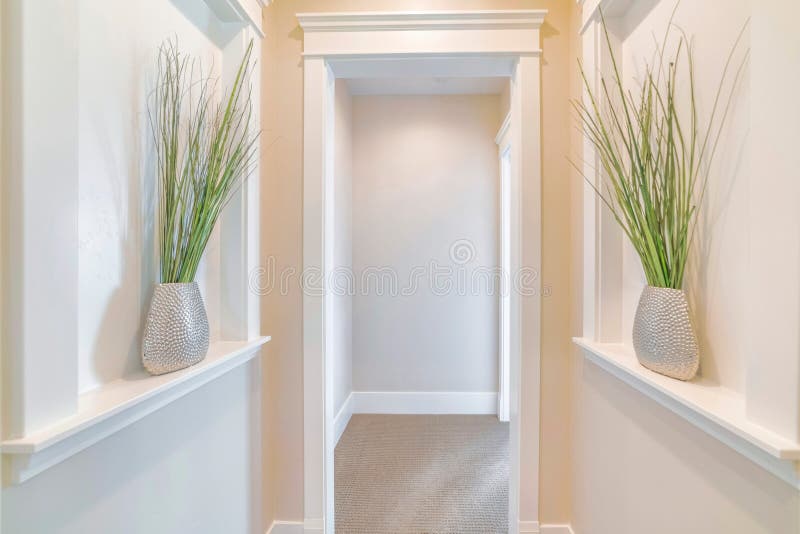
[414,474]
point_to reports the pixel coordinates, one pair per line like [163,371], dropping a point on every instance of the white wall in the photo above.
[343,248]
[195,465]
[117,262]
[425,181]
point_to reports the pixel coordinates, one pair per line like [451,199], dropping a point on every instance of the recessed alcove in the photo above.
[74,365]
[721,400]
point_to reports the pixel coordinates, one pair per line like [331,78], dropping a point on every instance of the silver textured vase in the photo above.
[663,337]
[176,331]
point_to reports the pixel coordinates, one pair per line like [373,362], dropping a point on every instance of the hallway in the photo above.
[422,473]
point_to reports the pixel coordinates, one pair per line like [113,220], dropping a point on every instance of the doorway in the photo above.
[416,239]
[432,45]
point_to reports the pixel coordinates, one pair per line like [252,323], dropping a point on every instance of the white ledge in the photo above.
[422,20]
[114,406]
[714,409]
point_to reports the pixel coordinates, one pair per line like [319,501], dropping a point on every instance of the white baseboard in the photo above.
[342,418]
[425,402]
[533,527]
[525,527]
[556,529]
[286,527]
[313,526]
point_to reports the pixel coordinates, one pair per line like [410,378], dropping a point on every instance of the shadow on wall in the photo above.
[136,252]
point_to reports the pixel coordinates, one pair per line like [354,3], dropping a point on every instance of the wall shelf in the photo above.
[717,410]
[113,406]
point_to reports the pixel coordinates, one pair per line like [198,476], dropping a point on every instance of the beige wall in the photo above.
[282,108]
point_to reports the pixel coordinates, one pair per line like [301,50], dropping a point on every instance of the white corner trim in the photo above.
[285,527]
[116,405]
[425,402]
[422,20]
[342,418]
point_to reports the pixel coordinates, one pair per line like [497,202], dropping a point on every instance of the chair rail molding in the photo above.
[385,44]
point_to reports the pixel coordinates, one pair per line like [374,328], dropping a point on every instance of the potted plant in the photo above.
[204,148]
[655,156]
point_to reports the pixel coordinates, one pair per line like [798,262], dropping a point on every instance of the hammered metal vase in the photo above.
[176,331]
[663,337]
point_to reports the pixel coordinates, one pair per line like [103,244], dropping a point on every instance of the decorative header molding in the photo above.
[464,44]
[407,33]
[422,20]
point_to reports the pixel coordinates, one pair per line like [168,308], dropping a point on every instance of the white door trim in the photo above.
[466,44]
[503,140]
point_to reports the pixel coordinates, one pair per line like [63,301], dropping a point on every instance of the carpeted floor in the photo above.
[414,474]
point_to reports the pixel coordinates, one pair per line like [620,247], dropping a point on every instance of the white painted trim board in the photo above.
[556,529]
[342,419]
[285,527]
[425,402]
[413,403]
[529,527]
[533,527]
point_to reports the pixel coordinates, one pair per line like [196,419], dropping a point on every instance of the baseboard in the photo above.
[525,527]
[556,529]
[342,418]
[286,527]
[425,402]
[533,527]
[313,526]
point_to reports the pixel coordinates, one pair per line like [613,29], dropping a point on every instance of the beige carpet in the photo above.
[422,474]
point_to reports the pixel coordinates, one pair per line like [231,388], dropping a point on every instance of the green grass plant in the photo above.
[205,148]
